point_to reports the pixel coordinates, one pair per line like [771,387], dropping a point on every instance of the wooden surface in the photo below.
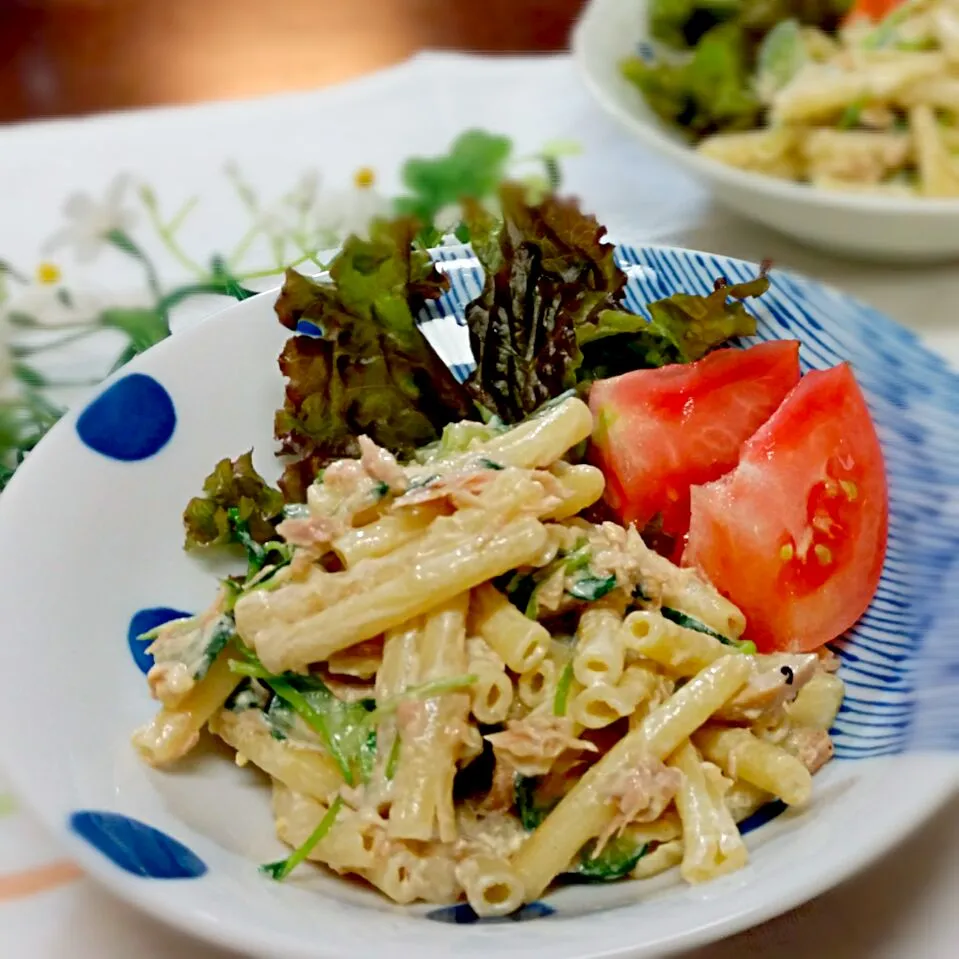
[60,57]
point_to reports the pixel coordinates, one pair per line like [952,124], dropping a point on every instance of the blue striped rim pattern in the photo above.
[900,663]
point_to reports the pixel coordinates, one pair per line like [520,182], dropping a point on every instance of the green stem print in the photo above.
[166,232]
[305,223]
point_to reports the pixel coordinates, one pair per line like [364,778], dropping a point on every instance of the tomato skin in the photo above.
[796,534]
[872,10]
[659,432]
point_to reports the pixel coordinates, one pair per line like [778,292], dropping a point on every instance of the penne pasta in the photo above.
[538,685]
[491,885]
[583,813]
[385,535]
[259,610]
[818,702]
[774,152]
[741,755]
[680,650]
[172,733]
[684,590]
[665,829]
[432,579]
[646,687]
[937,175]
[712,845]
[491,696]
[541,440]
[581,487]
[396,674]
[311,773]
[863,156]
[422,805]
[663,857]
[601,705]
[362,661]
[939,92]
[743,799]
[820,93]
[405,876]
[519,641]
[397,671]
[347,847]
[600,650]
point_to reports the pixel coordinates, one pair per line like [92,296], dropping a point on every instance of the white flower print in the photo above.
[293,214]
[302,198]
[90,221]
[54,306]
[350,211]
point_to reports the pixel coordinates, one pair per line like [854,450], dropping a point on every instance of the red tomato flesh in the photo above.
[796,534]
[659,432]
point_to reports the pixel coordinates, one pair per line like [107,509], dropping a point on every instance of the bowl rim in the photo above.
[253,938]
[656,135]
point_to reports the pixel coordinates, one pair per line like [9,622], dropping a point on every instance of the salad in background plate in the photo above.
[863,99]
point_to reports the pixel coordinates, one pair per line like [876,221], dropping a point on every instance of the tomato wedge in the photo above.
[659,432]
[796,534]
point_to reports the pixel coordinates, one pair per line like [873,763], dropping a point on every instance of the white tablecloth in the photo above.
[905,905]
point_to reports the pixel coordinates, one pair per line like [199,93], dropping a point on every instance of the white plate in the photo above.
[893,229]
[90,540]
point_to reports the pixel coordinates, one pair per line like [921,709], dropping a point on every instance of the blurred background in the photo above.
[68,57]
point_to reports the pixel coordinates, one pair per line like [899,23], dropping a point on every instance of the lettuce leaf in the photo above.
[617,859]
[694,325]
[712,85]
[682,23]
[529,807]
[550,274]
[549,316]
[760,16]
[484,234]
[343,727]
[781,55]
[682,328]
[234,485]
[709,92]
[369,370]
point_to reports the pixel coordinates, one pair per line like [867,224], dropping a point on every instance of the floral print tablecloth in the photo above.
[117,231]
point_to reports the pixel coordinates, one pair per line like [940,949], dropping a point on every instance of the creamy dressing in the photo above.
[640,794]
[770,688]
[531,746]
[184,650]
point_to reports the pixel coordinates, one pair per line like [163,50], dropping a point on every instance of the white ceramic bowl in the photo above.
[92,544]
[873,227]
